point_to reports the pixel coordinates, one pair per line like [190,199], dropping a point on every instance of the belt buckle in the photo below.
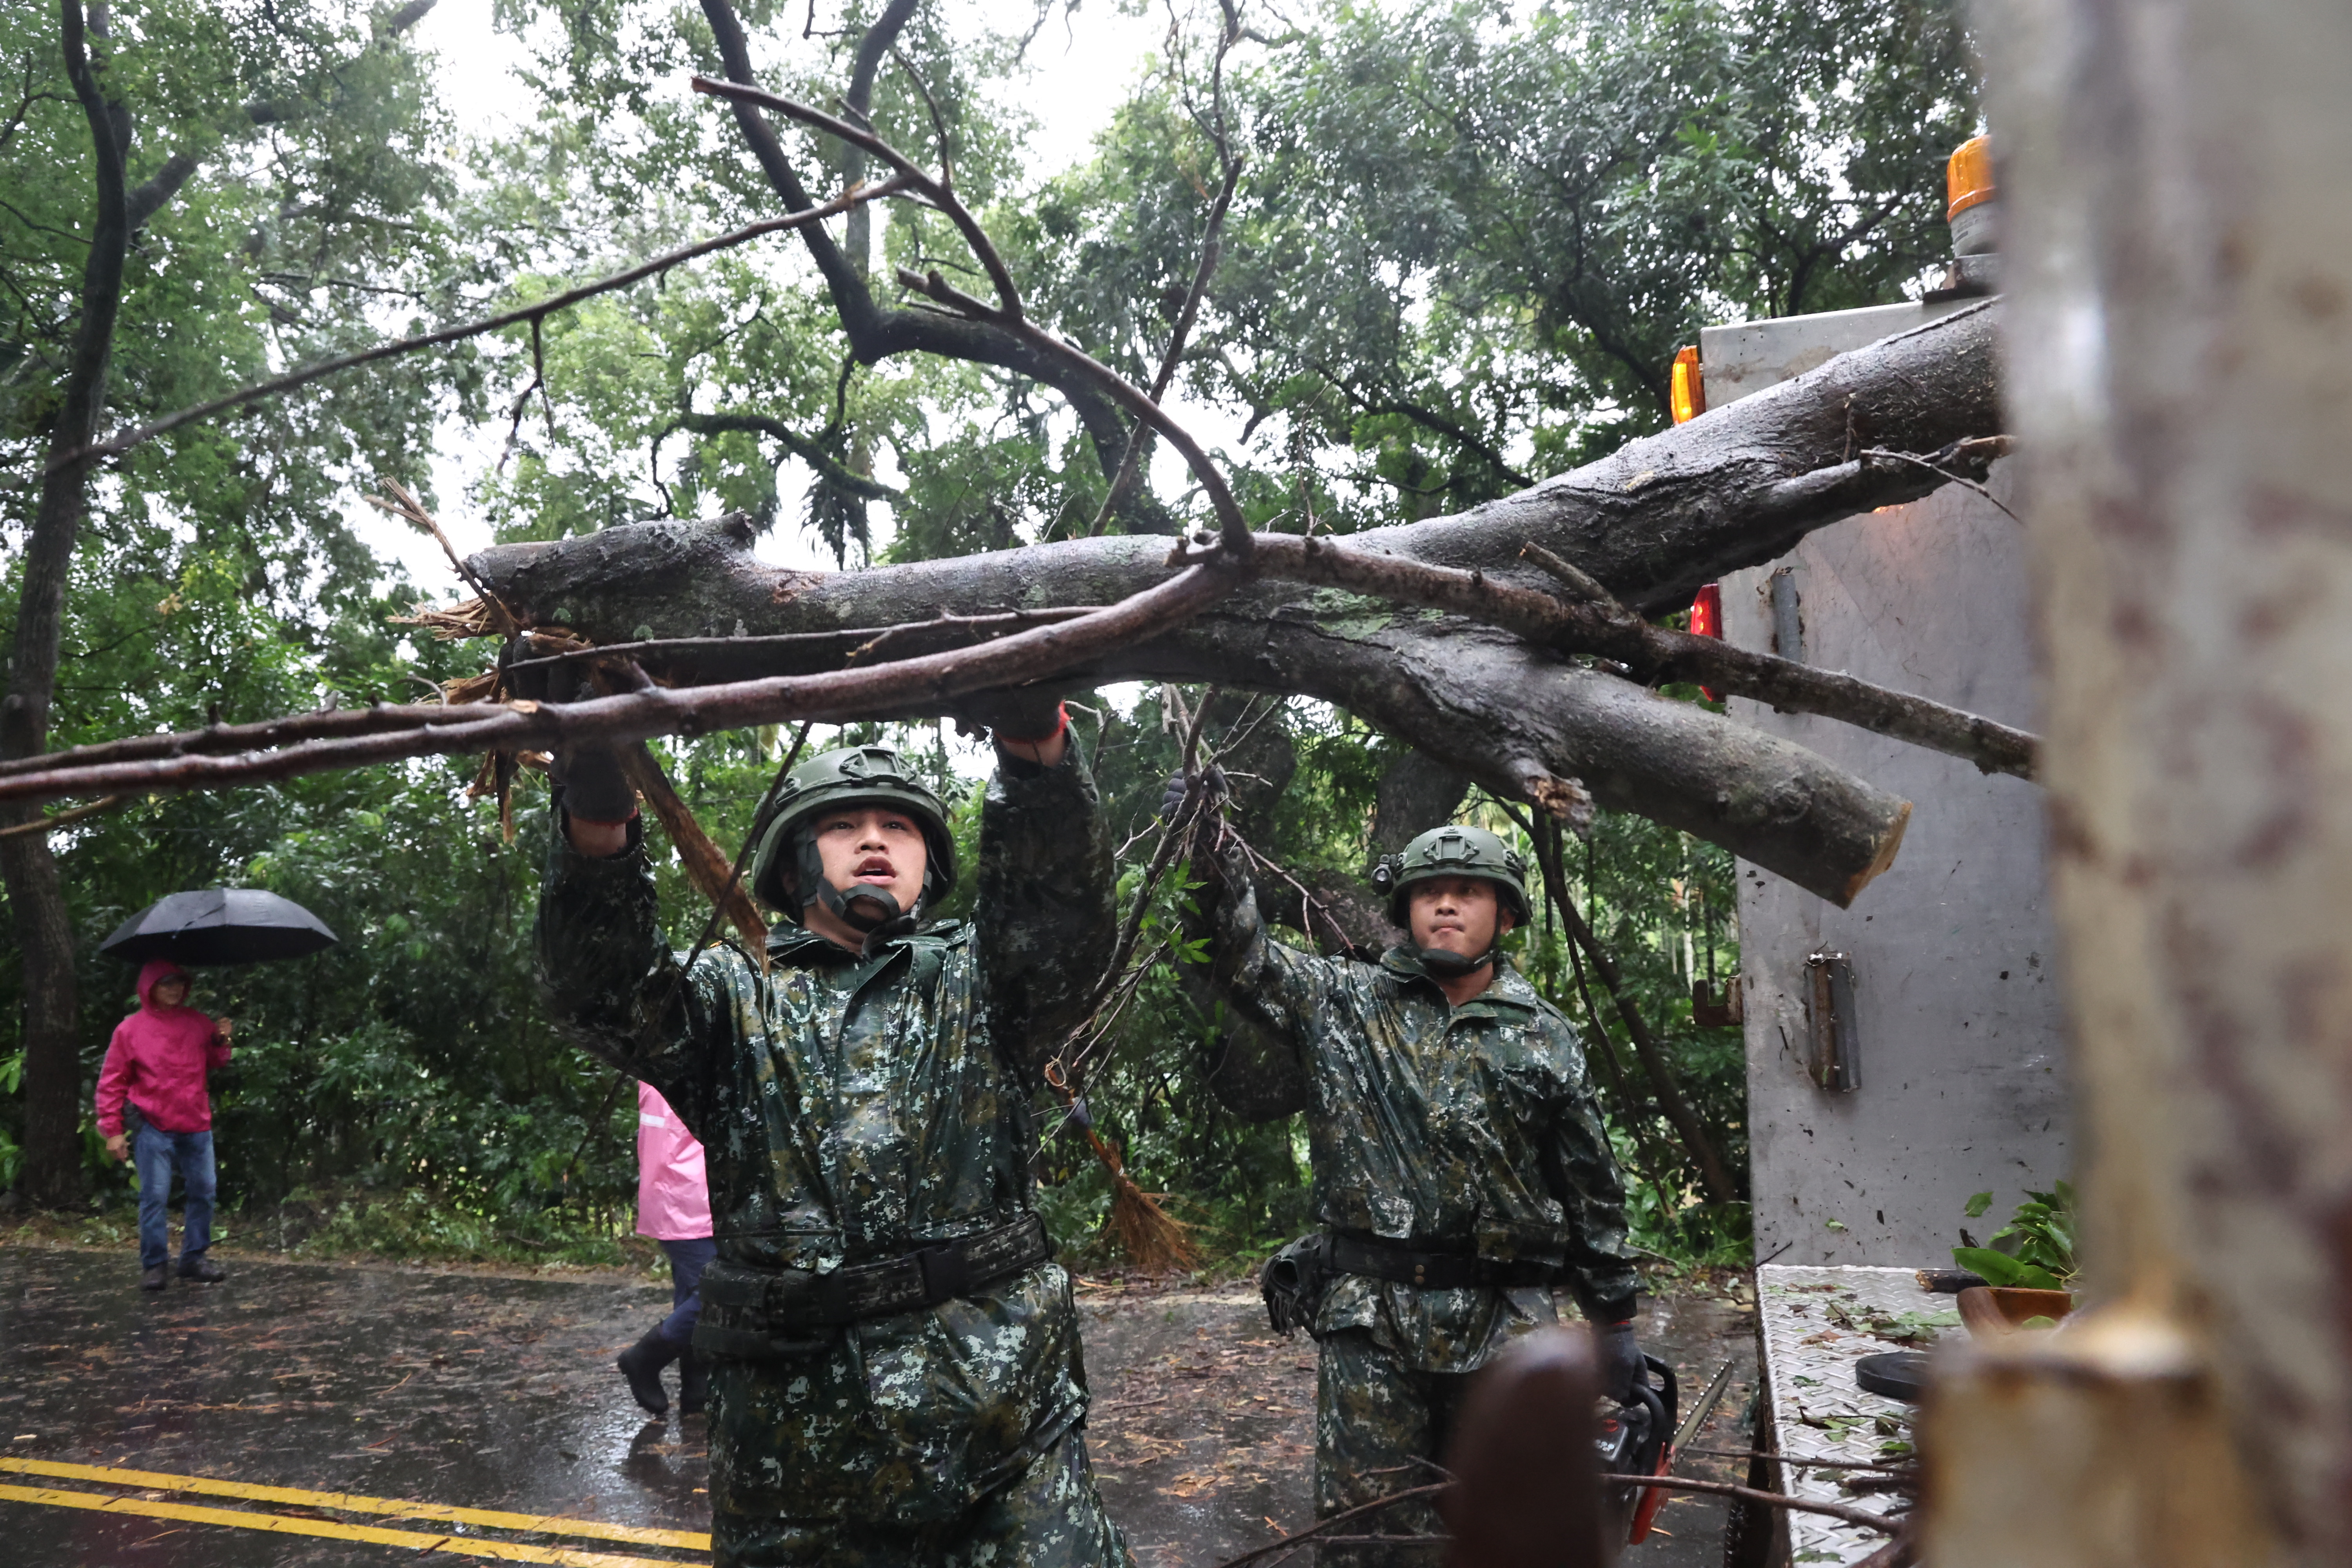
[1421,1273]
[946,1272]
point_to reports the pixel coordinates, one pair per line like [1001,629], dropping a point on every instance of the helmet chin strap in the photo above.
[864,909]
[1449,966]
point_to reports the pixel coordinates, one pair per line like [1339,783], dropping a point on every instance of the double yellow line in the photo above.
[344,1502]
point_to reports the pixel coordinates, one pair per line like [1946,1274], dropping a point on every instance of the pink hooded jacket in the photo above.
[158,1060]
[673,1198]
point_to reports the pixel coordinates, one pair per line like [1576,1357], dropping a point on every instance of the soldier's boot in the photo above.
[642,1365]
[693,1384]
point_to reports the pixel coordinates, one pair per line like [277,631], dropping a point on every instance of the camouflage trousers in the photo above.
[1050,1516]
[1375,1420]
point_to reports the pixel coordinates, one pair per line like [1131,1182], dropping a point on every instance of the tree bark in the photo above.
[2176,183]
[1651,522]
[37,904]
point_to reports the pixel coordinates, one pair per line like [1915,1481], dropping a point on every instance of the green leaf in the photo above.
[1993,1267]
[1978,1203]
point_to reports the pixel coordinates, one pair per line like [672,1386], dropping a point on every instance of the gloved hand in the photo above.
[1618,1359]
[1016,714]
[590,782]
[1212,785]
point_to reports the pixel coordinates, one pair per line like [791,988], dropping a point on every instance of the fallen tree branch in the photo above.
[1600,625]
[116,445]
[837,696]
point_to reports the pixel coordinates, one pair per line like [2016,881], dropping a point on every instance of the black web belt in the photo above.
[755,1313]
[1436,1270]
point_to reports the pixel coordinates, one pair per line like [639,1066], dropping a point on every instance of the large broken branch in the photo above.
[1732,487]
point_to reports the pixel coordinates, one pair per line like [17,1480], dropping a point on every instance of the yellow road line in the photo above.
[351,1503]
[278,1523]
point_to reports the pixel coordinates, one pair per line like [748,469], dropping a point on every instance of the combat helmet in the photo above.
[1452,852]
[854,775]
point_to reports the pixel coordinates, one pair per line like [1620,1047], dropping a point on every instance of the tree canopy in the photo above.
[1461,247]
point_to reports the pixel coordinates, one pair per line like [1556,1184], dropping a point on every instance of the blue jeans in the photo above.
[686,1261]
[158,1153]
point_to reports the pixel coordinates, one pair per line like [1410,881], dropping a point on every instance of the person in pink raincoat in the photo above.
[673,1208]
[153,1109]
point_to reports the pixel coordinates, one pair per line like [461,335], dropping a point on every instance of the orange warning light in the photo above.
[1688,393]
[1968,178]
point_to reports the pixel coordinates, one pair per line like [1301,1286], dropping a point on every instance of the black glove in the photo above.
[589,781]
[1016,714]
[1212,786]
[1618,1359]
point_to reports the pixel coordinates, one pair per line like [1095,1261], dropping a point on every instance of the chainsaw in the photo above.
[1638,1437]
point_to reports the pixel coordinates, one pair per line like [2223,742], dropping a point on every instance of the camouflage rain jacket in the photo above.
[854,1108]
[1435,1127]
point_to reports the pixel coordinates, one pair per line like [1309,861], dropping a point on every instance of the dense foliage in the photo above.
[1464,245]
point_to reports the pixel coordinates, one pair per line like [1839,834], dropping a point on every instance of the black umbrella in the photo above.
[219,925]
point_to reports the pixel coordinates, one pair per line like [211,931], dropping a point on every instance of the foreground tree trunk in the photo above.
[2180,179]
[1653,521]
[36,904]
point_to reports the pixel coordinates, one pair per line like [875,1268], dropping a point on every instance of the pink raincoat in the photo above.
[158,1060]
[673,1197]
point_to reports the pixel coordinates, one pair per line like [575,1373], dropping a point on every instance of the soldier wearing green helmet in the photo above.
[894,1360]
[1461,1169]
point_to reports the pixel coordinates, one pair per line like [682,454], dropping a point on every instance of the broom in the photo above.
[1154,1240]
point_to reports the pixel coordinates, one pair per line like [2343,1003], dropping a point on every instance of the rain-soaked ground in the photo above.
[312,1414]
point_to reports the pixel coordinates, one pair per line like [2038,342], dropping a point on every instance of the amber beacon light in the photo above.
[1688,393]
[1970,204]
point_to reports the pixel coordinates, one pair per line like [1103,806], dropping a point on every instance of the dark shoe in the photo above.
[642,1364]
[155,1278]
[202,1269]
[693,1384]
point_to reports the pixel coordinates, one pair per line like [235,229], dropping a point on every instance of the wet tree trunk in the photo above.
[1653,521]
[37,904]
[2180,179]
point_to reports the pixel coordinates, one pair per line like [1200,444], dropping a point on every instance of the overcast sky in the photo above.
[1083,65]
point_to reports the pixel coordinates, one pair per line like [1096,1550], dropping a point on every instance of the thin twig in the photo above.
[870,638]
[1179,832]
[833,696]
[1884,452]
[1793,1459]
[1838,1510]
[1235,538]
[63,818]
[1359,1512]
[938,123]
[910,175]
[118,445]
[1212,249]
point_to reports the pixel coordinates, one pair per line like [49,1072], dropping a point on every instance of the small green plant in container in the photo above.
[2040,1254]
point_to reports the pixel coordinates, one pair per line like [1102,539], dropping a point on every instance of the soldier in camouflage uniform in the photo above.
[894,1358]
[1461,1169]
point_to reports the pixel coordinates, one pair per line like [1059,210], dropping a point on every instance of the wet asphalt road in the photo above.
[482,1392]
[496,1392]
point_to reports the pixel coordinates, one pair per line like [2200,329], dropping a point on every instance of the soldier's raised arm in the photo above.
[1277,990]
[611,982]
[1044,913]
